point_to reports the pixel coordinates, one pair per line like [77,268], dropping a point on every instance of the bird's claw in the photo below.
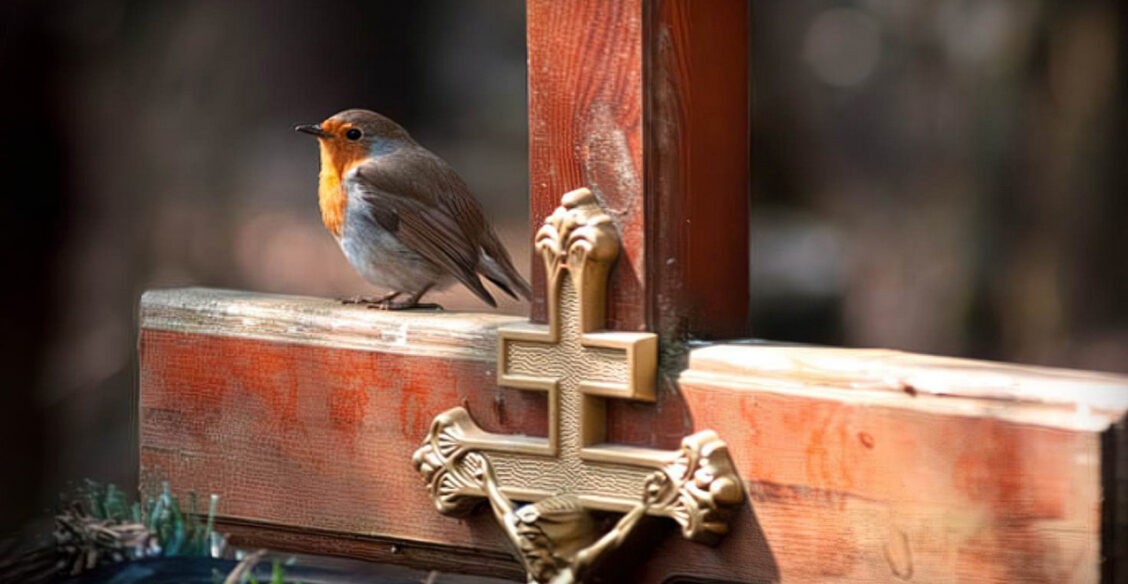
[404,305]
[371,301]
[360,300]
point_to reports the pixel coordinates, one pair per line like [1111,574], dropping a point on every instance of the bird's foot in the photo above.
[359,300]
[404,305]
[369,300]
[412,302]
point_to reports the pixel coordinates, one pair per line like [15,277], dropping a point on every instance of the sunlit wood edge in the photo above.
[1045,396]
[322,322]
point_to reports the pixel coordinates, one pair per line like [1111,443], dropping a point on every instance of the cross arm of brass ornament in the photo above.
[572,472]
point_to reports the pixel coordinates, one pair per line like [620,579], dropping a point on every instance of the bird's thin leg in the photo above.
[411,302]
[370,300]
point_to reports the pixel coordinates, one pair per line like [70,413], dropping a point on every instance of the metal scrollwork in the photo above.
[544,491]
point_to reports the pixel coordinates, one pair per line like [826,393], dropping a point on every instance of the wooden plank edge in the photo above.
[1114,503]
[322,322]
[1058,397]
[249,534]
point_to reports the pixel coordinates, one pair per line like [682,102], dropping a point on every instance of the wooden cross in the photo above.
[860,465]
[639,101]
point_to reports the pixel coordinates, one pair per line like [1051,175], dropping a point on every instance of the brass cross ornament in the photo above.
[565,477]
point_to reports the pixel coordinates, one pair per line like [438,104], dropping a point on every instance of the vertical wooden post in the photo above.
[646,103]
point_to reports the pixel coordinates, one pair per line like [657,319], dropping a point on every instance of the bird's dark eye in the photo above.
[353,134]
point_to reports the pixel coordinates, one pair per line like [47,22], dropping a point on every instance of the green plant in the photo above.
[99,525]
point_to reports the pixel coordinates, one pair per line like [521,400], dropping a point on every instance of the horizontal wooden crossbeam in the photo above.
[860,465]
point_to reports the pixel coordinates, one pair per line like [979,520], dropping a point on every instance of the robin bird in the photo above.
[403,217]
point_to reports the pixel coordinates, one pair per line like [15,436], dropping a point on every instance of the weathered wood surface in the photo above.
[861,466]
[646,103]
[318,321]
[382,550]
[875,465]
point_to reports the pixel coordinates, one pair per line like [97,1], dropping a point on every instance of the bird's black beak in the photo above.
[313,130]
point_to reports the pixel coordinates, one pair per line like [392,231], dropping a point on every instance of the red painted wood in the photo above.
[646,104]
[585,128]
[697,168]
[845,491]
[310,444]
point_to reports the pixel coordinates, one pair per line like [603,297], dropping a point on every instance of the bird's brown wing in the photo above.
[501,271]
[456,197]
[405,198]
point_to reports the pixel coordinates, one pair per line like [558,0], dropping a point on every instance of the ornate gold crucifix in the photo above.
[573,471]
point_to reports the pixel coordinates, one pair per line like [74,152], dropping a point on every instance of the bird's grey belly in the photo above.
[382,260]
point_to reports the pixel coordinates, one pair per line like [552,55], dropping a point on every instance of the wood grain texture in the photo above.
[429,556]
[646,104]
[697,167]
[318,321]
[975,474]
[1049,396]
[586,129]
[876,466]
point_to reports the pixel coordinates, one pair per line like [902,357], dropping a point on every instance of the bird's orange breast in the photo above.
[336,162]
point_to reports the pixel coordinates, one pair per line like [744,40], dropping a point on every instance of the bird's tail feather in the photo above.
[505,276]
[475,286]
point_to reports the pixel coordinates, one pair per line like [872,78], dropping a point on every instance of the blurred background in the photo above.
[943,176]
